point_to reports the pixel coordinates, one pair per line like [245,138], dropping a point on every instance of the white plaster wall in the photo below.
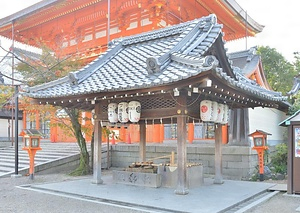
[267,119]
[4,127]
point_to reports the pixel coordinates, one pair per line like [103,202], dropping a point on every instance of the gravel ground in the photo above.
[280,203]
[14,199]
[17,200]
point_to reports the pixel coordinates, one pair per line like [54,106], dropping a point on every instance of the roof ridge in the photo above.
[80,75]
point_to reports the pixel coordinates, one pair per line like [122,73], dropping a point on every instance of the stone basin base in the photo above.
[169,176]
[166,177]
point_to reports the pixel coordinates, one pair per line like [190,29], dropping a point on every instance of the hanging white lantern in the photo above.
[226,114]
[214,115]
[205,110]
[220,113]
[134,111]
[112,112]
[208,110]
[123,112]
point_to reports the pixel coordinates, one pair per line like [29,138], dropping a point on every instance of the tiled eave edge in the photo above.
[200,64]
[250,87]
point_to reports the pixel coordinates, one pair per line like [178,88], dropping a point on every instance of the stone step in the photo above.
[51,155]
[50,158]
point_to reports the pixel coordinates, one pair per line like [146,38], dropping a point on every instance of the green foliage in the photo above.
[296,98]
[279,72]
[279,159]
[47,68]
[6,94]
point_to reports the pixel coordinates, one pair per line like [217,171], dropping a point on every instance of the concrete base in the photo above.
[166,177]
[97,181]
[16,176]
[137,178]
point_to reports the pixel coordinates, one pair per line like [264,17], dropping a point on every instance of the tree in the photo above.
[279,72]
[6,94]
[48,68]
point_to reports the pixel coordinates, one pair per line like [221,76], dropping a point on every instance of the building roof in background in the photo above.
[251,65]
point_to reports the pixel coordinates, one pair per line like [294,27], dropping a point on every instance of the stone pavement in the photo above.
[208,198]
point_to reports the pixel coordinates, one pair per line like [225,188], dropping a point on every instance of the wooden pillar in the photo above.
[156,133]
[123,134]
[218,154]
[162,133]
[24,119]
[142,146]
[182,187]
[239,127]
[290,160]
[37,120]
[191,132]
[97,147]
[225,134]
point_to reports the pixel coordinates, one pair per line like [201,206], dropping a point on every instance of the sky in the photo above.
[282,25]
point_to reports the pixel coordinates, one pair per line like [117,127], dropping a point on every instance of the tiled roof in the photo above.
[155,59]
[6,114]
[246,60]
[146,60]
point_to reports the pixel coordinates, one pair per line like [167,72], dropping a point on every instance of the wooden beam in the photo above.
[142,148]
[97,147]
[182,187]
[218,154]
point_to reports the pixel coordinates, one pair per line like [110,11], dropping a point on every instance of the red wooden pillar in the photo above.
[37,120]
[156,133]
[225,134]
[162,133]
[123,134]
[24,119]
[191,132]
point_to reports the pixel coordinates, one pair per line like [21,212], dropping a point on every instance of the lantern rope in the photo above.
[183,105]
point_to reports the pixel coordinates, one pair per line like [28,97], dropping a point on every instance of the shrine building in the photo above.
[81,28]
[169,71]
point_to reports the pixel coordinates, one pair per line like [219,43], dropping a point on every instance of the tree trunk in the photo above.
[84,165]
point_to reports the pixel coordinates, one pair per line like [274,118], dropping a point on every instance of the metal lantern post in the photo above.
[260,145]
[31,138]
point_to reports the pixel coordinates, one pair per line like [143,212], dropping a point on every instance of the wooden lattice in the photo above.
[147,103]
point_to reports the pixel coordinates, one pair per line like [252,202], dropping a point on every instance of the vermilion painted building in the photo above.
[84,28]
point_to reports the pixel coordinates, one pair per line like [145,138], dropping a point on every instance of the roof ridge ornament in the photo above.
[251,53]
[73,78]
[209,61]
[155,63]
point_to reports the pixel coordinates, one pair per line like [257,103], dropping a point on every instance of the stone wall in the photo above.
[238,161]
